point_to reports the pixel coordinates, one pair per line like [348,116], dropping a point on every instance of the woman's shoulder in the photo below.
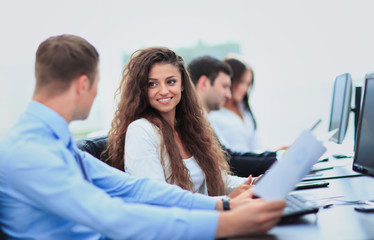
[143,129]
[142,124]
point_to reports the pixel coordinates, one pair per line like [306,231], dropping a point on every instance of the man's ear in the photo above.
[203,83]
[82,83]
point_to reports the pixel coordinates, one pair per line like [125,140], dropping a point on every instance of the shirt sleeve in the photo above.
[125,209]
[142,151]
[136,189]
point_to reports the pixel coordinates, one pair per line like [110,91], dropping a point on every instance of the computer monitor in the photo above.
[363,160]
[341,106]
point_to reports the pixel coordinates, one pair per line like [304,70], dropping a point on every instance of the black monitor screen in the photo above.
[341,106]
[364,152]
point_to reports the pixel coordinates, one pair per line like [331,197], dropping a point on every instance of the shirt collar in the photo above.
[52,119]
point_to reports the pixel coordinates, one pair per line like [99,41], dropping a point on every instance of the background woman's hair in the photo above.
[190,122]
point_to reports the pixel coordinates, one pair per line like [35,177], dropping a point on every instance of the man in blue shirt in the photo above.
[52,190]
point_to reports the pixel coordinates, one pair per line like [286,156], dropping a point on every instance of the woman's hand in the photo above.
[256,179]
[285,147]
[241,188]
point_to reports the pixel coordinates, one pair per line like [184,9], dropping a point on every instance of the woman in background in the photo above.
[160,130]
[235,124]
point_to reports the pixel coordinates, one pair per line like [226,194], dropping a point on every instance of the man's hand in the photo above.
[243,198]
[254,217]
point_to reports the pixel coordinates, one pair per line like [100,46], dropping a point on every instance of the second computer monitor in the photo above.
[341,106]
[364,152]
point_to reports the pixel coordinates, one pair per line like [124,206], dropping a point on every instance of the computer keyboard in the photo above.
[297,206]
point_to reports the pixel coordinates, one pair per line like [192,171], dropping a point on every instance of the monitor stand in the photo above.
[356,111]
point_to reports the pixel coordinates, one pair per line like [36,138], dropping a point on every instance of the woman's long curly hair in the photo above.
[190,122]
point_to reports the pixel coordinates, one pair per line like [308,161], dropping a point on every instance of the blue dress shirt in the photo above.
[44,194]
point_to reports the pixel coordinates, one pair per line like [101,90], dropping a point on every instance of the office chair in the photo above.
[94,146]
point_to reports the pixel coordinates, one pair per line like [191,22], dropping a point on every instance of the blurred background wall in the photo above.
[296,48]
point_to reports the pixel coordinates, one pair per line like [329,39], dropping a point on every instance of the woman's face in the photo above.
[240,88]
[164,88]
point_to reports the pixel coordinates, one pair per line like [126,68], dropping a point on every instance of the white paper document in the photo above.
[284,174]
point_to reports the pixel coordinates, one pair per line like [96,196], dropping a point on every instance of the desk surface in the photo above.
[336,222]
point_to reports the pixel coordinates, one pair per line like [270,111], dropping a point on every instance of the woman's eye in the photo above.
[151,84]
[171,81]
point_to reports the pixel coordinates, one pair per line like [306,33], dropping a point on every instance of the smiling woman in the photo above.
[160,130]
[165,90]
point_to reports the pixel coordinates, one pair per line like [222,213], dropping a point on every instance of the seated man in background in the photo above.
[212,79]
[52,190]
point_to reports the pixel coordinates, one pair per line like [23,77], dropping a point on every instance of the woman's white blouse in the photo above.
[142,158]
[236,134]
[196,174]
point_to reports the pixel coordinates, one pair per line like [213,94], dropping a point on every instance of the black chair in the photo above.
[243,164]
[94,146]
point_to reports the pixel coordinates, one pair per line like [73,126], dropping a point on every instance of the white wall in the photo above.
[295,47]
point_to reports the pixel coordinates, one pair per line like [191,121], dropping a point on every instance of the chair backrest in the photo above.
[94,146]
